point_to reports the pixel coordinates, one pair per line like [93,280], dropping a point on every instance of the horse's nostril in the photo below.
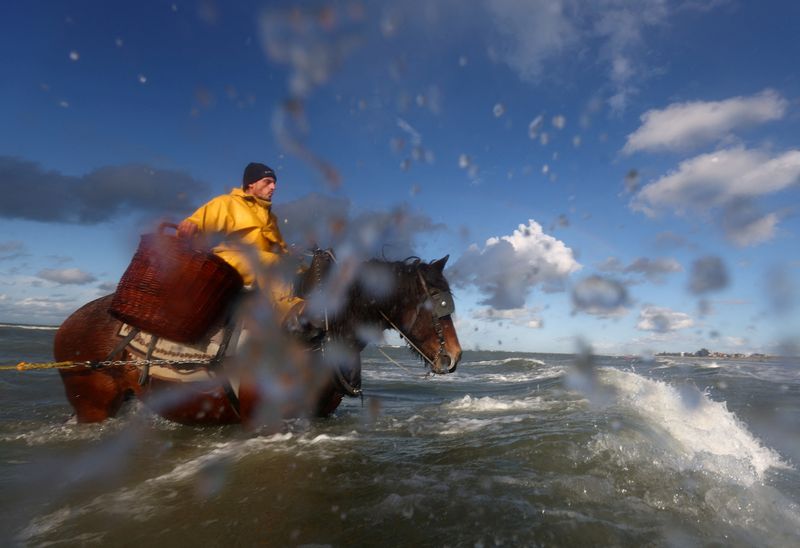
[445,361]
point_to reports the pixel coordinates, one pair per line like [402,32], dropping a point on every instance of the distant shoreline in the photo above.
[29,326]
[719,356]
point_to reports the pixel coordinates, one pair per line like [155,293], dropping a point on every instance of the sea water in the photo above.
[513,449]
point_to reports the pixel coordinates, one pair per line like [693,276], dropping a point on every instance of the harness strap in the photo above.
[122,344]
[145,374]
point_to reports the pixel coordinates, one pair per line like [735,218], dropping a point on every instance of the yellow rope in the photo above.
[26,366]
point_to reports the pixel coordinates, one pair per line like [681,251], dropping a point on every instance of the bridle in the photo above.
[441,304]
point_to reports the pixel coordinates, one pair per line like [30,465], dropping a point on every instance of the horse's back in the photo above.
[88,334]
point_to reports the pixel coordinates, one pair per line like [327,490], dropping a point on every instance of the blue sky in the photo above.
[622,172]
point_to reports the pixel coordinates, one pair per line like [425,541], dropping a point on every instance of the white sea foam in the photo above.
[489,404]
[698,433]
[523,376]
[461,425]
[707,365]
[68,431]
[504,361]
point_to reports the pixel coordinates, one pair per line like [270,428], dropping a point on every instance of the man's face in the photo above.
[263,188]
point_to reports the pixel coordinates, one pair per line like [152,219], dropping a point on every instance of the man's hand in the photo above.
[187,229]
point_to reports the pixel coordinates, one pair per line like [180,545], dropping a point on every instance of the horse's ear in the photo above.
[440,263]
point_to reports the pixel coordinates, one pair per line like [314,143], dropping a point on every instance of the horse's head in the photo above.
[425,314]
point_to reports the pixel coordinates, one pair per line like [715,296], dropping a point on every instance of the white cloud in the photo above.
[621,25]
[534,31]
[728,179]
[527,317]
[662,320]
[66,276]
[36,310]
[744,224]
[681,126]
[538,32]
[507,268]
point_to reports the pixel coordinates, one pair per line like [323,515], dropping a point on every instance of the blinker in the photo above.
[443,304]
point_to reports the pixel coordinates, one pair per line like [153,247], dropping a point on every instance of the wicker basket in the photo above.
[173,290]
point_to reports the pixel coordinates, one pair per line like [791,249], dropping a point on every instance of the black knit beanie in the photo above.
[255,172]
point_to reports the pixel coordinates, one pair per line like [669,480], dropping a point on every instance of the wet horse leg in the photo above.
[89,334]
[97,394]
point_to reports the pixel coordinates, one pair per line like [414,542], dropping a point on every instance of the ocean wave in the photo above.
[464,376]
[523,376]
[689,430]
[205,470]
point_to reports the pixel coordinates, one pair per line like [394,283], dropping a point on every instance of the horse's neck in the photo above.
[362,307]
[365,307]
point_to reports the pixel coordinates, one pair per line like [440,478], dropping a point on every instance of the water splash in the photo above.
[693,432]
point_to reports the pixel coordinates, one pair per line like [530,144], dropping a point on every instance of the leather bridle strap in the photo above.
[436,325]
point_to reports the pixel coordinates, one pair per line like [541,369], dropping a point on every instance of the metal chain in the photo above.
[25,366]
[199,361]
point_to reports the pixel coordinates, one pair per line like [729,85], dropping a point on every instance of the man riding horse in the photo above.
[108,370]
[251,242]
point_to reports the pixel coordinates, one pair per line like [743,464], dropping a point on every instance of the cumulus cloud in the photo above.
[708,274]
[662,320]
[390,234]
[527,317]
[507,268]
[600,296]
[653,269]
[101,195]
[681,126]
[66,276]
[729,180]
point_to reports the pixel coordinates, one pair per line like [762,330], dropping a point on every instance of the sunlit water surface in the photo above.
[513,449]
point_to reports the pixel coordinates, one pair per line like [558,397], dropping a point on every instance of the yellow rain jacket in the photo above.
[250,230]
